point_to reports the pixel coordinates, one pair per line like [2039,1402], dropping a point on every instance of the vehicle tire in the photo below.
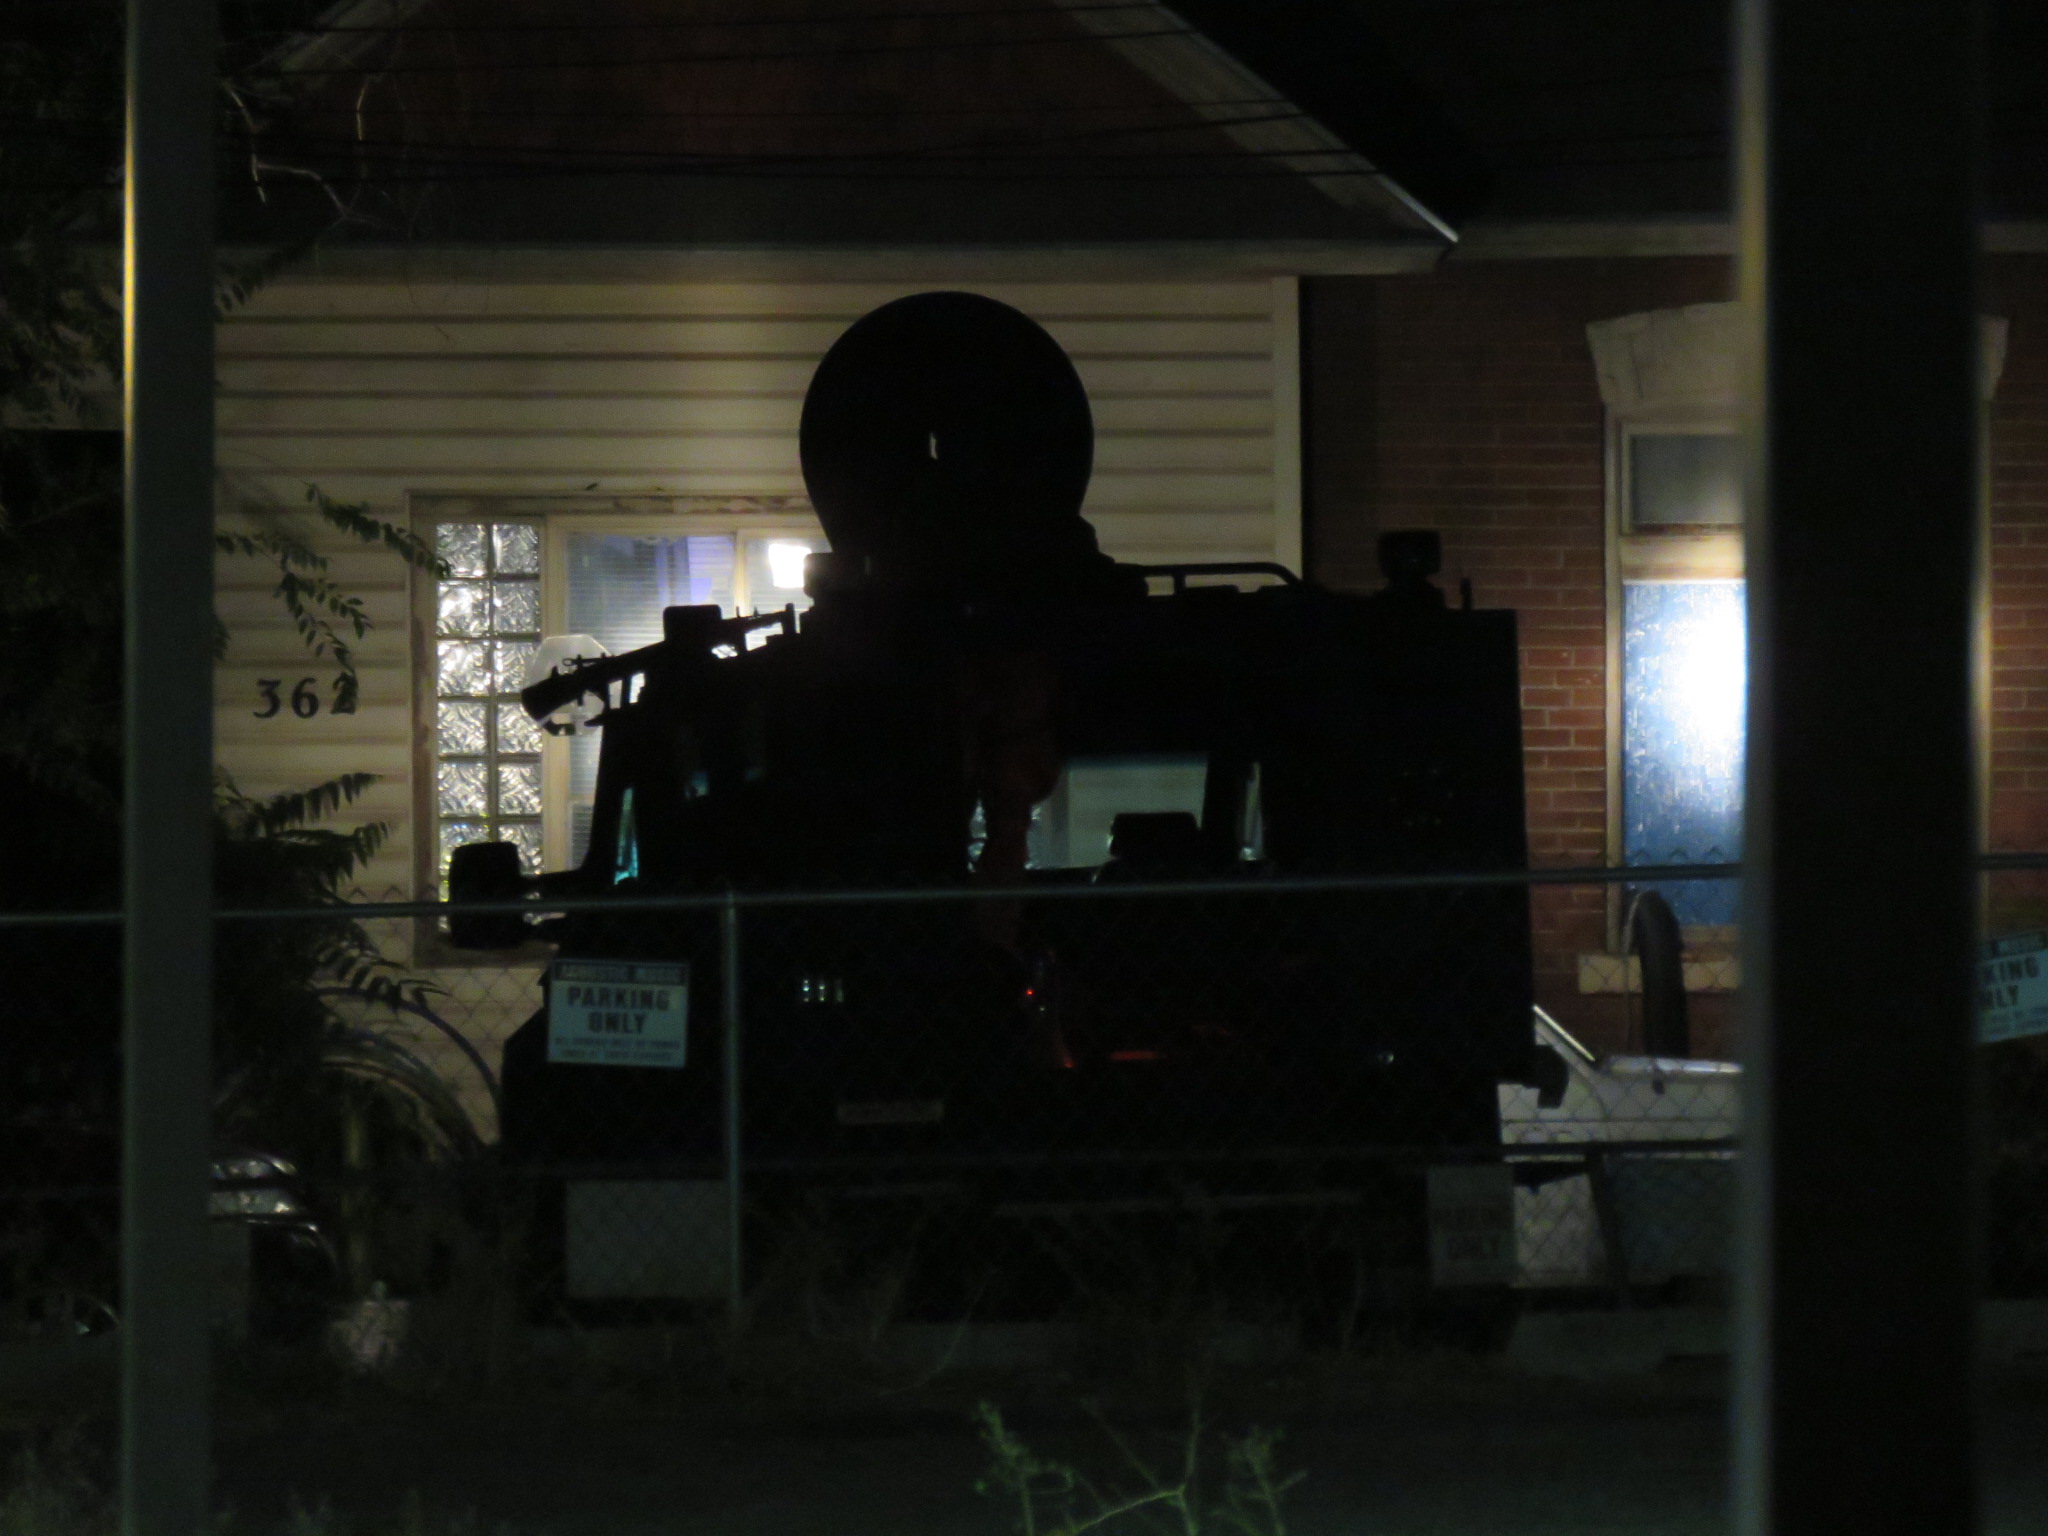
[1654,936]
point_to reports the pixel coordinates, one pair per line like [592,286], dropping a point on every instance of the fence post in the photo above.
[729,984]
[167,835]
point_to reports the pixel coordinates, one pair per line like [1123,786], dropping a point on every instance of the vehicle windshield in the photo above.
[1070,828]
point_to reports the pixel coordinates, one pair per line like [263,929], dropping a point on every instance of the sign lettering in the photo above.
[2012,988]
[619,1013]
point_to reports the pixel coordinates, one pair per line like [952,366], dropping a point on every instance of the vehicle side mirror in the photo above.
[486,872]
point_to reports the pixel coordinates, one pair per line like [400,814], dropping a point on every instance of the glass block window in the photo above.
[487,777]
[1685,682]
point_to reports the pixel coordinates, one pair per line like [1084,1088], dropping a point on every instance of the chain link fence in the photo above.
[1331,1110]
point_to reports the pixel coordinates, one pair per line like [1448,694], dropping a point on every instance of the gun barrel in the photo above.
[698,640]
[561,689]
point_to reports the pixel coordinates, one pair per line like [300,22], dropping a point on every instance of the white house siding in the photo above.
[379,391]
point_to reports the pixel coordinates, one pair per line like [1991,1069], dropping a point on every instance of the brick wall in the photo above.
[2017,288]
[1464,400]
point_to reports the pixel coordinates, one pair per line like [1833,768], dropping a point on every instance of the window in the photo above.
[1071,827]
[1684,479]
[517,577]
[615,582]
[487,625]
[1682,659]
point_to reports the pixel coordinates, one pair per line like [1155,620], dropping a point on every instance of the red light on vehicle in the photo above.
[1134,1055]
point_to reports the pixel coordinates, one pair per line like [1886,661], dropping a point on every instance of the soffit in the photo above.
[910,121]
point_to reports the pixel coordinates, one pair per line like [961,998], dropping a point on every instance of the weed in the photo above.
[1055,1497]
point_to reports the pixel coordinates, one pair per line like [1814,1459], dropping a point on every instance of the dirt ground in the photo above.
[1421,1447]
[1474,1450]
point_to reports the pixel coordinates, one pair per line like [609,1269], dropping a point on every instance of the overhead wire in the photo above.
[721,114]
[1043,10]
[978,152]
[473,161]
[458,172]
[736,56]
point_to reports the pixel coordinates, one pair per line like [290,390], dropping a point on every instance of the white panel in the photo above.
[787,376]
[1286,432]
[253,605]
[657,453]
[389,800]
[1156,538]
[1163,491]
[354,566]
[772,337]
[304,760]
[277,415]
[237,721]
[844,301]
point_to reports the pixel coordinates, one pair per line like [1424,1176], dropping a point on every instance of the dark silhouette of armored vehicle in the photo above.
[1150,771]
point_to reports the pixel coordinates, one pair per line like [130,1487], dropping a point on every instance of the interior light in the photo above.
[1709,686]
[786,565]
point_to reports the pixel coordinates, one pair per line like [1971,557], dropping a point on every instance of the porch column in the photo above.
[168,828]
[1857,137]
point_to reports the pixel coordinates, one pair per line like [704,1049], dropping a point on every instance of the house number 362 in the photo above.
[303,701]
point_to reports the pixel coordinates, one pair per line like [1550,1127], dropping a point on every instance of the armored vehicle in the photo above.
[1068,842]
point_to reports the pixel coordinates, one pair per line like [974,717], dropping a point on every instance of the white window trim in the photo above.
[1679,552]
[1663,371]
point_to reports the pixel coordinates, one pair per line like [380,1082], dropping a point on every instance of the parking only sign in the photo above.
[2012,988]
[618,1013]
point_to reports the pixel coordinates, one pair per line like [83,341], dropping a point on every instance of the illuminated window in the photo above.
[487,774]
[615,586]
[490,773]
[1072,826]
[1684,662]
[1684,681]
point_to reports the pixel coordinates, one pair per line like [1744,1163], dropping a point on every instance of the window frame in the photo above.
[750,519]
[1677,552]
[757,528]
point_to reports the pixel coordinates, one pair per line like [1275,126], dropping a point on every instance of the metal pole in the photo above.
[729,984]
[1855,1336]
[167,959]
